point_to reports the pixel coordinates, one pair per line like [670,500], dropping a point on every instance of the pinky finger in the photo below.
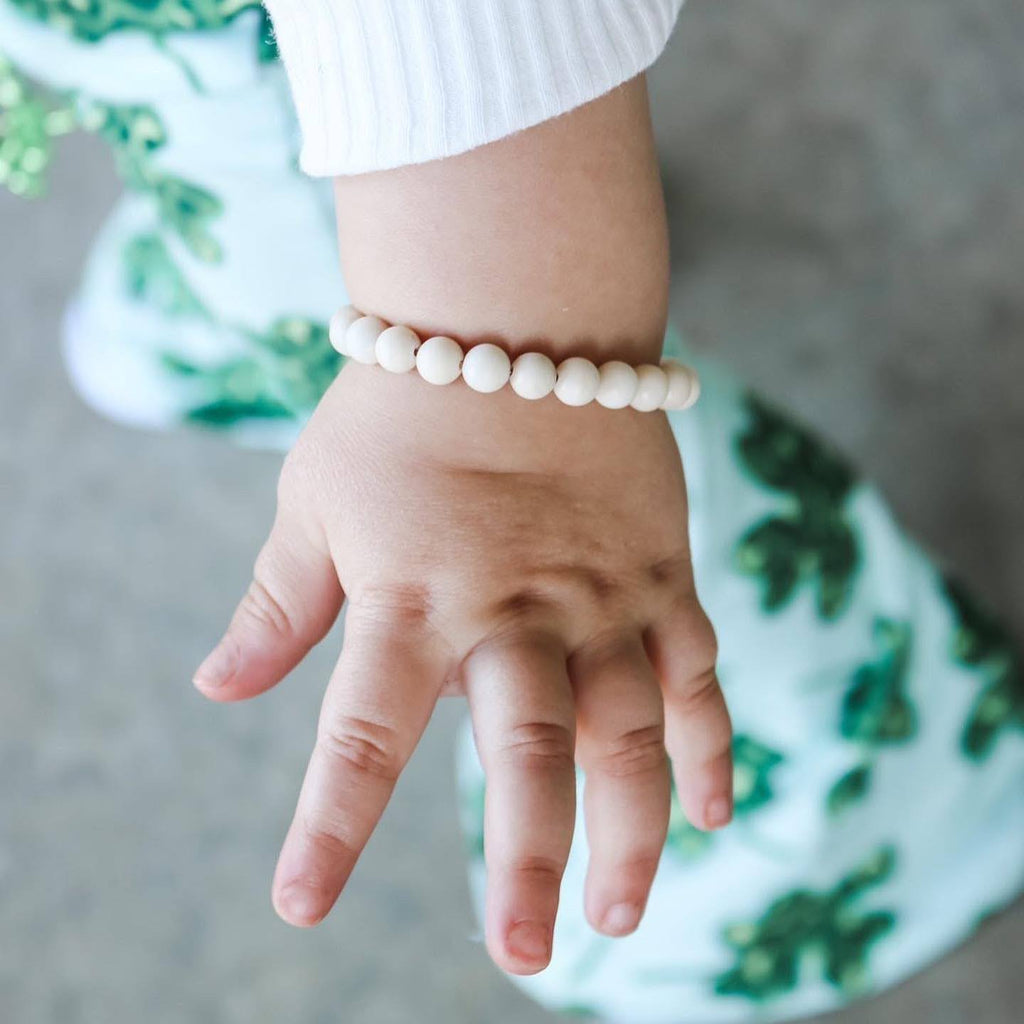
[698,731]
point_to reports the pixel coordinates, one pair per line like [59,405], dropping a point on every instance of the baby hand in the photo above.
[530,555]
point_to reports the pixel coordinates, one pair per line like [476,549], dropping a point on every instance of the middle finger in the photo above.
[626,797]
[521,703]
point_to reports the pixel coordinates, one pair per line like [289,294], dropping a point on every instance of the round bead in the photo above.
[340,323]
[396,349]
[617,385]
[439,360]
[578,381]
[486,368]
[533,375]
[361,339]
[651,388]
[683,386]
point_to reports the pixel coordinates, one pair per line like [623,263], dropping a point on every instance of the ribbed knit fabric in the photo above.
[381,83]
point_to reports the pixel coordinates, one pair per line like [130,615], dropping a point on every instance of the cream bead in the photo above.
[340,323]
[361,339]
[651,388]
[683,385]
[439,360]
[617,385]
[486,368]
[578,381]
[396,349]
[533,375]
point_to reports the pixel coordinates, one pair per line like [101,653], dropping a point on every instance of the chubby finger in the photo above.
[621,746]
[377,705]
[521,703]
[698,732]
[291,603]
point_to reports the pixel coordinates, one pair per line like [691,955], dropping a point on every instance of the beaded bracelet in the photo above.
[488,368]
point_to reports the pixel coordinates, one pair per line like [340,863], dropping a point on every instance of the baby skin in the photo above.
[531,556]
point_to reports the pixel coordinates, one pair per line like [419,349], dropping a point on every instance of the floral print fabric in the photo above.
[879,709]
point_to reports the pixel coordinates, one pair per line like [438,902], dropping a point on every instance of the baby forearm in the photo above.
[552,239]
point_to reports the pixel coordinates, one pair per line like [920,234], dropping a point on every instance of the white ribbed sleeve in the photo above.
[380,83]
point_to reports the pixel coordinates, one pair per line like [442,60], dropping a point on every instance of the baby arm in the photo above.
[530,555]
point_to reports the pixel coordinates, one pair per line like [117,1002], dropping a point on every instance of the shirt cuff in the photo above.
[382,83]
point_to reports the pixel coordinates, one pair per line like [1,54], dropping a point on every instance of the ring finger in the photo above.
[621,747]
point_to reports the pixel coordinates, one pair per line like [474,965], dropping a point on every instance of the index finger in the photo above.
[377,705]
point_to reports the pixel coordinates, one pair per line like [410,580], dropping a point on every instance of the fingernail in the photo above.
[219,666]
[620,919]
[299,904]
[718,812]
[529,941]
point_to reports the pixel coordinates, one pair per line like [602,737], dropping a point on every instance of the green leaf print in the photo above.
[753,764]
[875,709]
[286,372]
[850,789]
[805,931]
[810,541]
[266,42]
[982,644]
[188,209]
[304,362]
[92,20]
[228,412]
[135,133]
[153,277]
[30,121]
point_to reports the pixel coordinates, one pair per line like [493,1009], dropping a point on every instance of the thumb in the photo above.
[291,603]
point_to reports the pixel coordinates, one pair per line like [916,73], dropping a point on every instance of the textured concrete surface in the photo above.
[847,220]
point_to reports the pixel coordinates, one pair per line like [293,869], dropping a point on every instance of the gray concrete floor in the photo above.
[847,220]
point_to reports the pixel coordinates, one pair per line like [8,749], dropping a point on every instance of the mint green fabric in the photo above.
[190,309]
[879,711]
[879,748]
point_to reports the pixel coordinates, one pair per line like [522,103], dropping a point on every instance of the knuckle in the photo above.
[697,647]
[522,607]
[328,837]
[554,589]
[400,607]
[360,745]
[602,588]
[540,746]
[696,690]
[674,571]
[537,868]
[634,753]
[262,606]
